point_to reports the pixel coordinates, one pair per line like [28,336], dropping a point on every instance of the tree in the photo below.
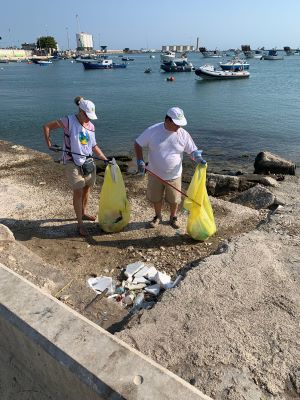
[46,42]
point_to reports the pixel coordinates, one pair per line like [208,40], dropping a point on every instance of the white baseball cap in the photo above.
[177,116]
[88,107]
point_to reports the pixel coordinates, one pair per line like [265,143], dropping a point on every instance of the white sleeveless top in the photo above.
[77,139]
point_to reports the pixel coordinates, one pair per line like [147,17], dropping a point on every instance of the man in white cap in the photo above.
[166,143]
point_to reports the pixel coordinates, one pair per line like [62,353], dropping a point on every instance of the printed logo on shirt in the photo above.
[84,138]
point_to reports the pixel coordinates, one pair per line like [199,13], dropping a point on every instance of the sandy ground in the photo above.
[205,329]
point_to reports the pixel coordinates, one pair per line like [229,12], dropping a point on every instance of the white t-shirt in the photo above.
[77,139]
[165,149]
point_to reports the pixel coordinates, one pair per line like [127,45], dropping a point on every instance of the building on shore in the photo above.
[178,48]
[84,41]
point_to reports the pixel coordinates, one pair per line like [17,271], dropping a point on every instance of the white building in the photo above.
[178,47]
[84,41]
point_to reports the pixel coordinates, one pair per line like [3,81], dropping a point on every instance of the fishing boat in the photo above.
[236,64]
[272,55]
[103,64]
[127,59]
[210,54]
[288,51]
[208,71]
[258,54]
[248,53]
[177,66]
[44,63]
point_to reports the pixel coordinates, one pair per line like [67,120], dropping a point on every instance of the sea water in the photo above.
[232,121]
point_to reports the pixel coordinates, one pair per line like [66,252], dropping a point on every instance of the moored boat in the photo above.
[272,55]
[177,66]
[235,64]
[103,64]
[44,63]
[208,71]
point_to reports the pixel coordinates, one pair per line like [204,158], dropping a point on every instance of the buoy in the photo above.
[170,78]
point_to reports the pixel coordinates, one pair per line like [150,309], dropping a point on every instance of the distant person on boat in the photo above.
[79,138]
[166,143]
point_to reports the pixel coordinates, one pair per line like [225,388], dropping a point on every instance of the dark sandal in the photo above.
[82,230]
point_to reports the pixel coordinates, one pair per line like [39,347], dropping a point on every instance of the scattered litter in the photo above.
[153,289]
[132,286]
[133,268]
[143,283]
[100,283]
[162,279]
[152,271]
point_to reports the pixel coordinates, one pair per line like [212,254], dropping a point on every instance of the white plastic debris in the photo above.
[162,279]
[133,268]
[100,283]
[153,289]
[137,286]
[142,272]
[152,271]
[140,280]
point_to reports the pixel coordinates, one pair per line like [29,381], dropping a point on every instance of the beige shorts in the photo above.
[75,178]
[157,189]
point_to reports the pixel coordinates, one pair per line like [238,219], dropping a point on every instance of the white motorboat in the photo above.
[208,71]
[236,64]
[167,56]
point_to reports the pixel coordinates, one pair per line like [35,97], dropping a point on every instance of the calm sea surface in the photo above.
[231,121]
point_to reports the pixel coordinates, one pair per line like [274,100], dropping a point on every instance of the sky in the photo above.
[137,24]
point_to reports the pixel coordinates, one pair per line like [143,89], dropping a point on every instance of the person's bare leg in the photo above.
[173,216]
[157,219]
[157,208]
[77,204]
[173,210]
[85,197]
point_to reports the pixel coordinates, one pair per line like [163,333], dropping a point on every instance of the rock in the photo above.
[263,180]
[221,184]
[6,233]
[257,197]
[268,163]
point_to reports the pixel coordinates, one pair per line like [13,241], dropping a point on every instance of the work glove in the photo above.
[141,166]
[108,161]
[197,157]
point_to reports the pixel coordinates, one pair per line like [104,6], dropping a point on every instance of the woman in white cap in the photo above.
[79,137]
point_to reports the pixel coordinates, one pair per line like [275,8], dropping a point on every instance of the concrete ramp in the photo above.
[50,352]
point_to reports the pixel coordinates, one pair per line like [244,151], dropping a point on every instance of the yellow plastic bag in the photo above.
[114,208]
[201,222]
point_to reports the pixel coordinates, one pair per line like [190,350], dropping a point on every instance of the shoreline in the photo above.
[209,306]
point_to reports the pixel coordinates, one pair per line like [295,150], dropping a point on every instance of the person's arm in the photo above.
[99,153]
[48,128]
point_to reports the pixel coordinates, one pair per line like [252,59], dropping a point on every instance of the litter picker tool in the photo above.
[172,186]
[57,148]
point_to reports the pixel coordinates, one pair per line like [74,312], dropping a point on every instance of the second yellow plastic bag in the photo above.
[114,208]
[201,222]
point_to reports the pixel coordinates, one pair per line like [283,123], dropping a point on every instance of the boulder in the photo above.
[218,185]
[256,178]
[257,197]
[268,163]
[6,234]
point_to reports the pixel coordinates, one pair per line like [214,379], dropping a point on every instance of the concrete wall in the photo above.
[48,351]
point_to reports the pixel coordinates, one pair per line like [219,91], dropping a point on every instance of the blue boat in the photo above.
[234,65]
[103,64]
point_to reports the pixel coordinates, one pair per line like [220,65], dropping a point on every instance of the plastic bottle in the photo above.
[138,303]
